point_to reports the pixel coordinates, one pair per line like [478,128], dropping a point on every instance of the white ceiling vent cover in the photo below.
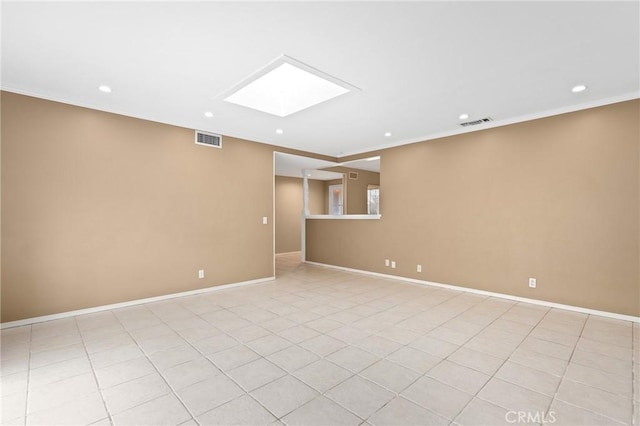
[208,139]
[476,122]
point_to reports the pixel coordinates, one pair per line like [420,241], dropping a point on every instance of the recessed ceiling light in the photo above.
[279,131]
[208,114]
[308,174]
[286,86]
[105,89]
[387,134]
[463,116]
[579,88]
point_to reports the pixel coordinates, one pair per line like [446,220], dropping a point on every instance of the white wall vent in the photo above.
[353,175]
[208,139]
[476,122]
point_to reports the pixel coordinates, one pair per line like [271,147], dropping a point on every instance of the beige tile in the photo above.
[84,409]
[405,413]
[513,397]
[278,324]
[353,359]
[135,392]
[437,397]
[554,336]
[545,347]
[483,413]
[284,395]
[541,362]
[321,412]
[16,382]
[450,335]
[13,407]
[609,382]
[49,343]
[613,351]
[609,337]
[189,372]
[529,378]
[360,396]
[59,371]
[512,327]
[52,356]
[349,334]
[566,414]
[475,360]
[57,327]
[390,375]
[16,335]
[398,334]
[597,400]
[173,356]
[602,362]
[256,373]
[249,333]
[165,410]
[378,345]
[241,411]
[123,372]
[323,325]
[208,394]
[113,356]
[414,359]
[298,334]
[269,344]
[57,393]
[490,346]
[213,344]
[150,332]
[231,358]
[293,358]
[458,376]
[14,365]
[195,334]
[113,341]
[322,375]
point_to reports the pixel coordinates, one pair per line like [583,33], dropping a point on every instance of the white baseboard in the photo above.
[95,309]
[487,293]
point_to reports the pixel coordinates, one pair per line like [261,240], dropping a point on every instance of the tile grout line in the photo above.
[564,372]
[591,386]
[146,355]
[174,391]
[26,402]
[93,372]
[503,363]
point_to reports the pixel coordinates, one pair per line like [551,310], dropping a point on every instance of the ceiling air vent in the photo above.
[476,122]
[208,139]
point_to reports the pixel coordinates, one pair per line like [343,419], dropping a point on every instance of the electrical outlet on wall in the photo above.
[393,264]
[419,268]
[386,262]
[532,282]
[201,273]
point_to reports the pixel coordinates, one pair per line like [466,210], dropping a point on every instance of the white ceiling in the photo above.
[294,165]
[419,65]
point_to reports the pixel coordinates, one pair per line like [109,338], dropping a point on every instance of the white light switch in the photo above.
[264,220]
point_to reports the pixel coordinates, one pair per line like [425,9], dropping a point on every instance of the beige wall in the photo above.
[289,202]
[357,190]
[556,199]
[99,208]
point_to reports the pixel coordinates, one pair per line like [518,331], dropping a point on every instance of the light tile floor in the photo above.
[323,347]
